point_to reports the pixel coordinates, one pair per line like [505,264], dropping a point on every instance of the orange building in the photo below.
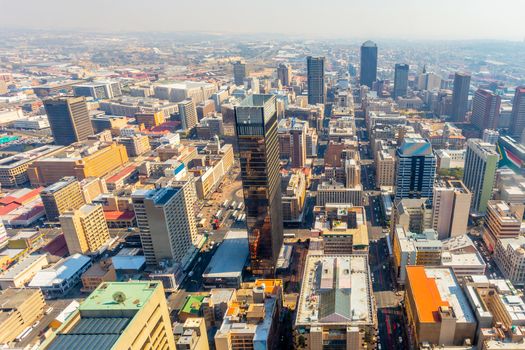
[437,309]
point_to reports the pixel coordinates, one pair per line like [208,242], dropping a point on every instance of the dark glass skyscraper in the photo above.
[315,75]
[401,80]
[368,63]
[460,97]
[239,72]
[256,126]
[69,119]
[415,169]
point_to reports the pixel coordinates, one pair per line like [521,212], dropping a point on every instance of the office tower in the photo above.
[188,114]
[315,75]
[401,80]
[451,208]
[63,195]
[19,309]
[415,169]
[85,229]
[481,163]
[256,125]
[368,63]
[517,124]
[166,221]
[150,119]
[69,119]
[117,315]
[428,81]
[485,110]
[252,83]
[460,97]
[135,145]
[503,220]
[239,72]
[385,168]
[284,74]
[298,144]
[490,136]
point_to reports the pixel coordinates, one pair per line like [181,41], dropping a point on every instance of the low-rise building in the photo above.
[18,275]
[57,280]
[336,306]
[97,274]
[192,336]
[334,192]
[437,309]
[227,264]
[19,309]
[252,320]
[509,255]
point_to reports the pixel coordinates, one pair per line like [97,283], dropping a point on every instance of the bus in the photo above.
[289,235]
[233,204]
[240,206]
[225,204]
[218,215]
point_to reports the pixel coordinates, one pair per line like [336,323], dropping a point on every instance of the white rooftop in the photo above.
[60,272]
[230,257]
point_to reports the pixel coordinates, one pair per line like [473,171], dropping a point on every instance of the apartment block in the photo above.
[503,220]
[63,195]
[85,229]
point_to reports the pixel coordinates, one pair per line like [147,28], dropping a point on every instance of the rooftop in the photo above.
[336,290]
[230,257]
[61,271]
[135,295]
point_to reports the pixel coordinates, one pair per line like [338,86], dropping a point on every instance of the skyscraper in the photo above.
[517,124]
[481,162]
[485,110]
[460,97]
[315,75]
[166,221]
[188,114]
[85,229]
[401,80]
[239,72]
[69,119]
[256,125]
[284,74]
[368,63]
[415,169]
[451,208]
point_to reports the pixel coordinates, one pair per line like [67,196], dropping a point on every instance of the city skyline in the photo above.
[425,23]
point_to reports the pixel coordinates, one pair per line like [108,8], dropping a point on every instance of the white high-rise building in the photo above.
[451,208]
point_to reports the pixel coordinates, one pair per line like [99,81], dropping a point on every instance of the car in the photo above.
[400,340]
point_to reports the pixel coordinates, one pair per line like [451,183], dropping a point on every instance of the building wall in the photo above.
[25,314]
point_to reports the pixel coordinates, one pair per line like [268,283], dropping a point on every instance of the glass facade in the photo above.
[256,126]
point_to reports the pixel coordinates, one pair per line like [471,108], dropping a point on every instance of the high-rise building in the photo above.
[451,208]
[401,80]
[85,229]
[517,124]
[503,220]
[62,196]
[166,221]
[415,169]
[117,315]
[69,119]
[368,63]
[485,110]
[385,168]
[428,81]
[481,162]
[284,74]
[239,72]
[460,97]
[315,75]
[256,125]
[188,114]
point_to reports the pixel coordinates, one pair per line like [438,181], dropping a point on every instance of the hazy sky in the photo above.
[402,19]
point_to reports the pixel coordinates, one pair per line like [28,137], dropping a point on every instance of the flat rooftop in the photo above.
[230,257]
[336,290]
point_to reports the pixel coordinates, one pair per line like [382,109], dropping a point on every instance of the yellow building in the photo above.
[80,160]
[61,196]
[19,309]
[85,229]
[150,119]
[129,315]
[97,274]
[194,336]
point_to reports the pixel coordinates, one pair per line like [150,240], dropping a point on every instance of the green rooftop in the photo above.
[193,304]
[115,296]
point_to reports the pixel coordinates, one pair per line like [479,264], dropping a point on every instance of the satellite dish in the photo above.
[119,297]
